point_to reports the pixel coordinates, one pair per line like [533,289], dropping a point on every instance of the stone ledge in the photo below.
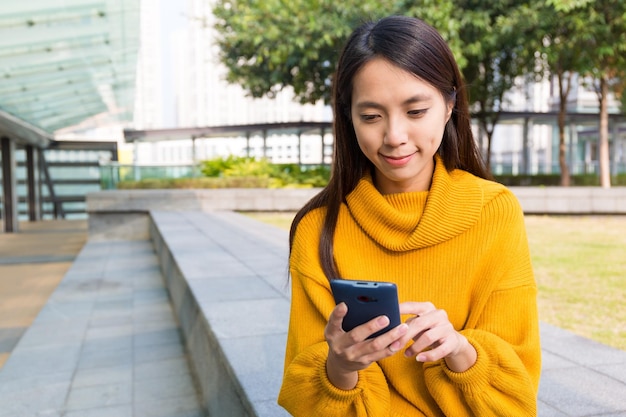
[123,214]
[227,277]
[535,200]
[571,200]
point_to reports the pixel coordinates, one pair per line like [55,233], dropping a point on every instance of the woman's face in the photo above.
[399,122]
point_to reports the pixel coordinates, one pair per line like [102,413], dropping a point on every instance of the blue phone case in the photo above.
[367,300]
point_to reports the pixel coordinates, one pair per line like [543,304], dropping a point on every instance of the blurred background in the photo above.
[98,92]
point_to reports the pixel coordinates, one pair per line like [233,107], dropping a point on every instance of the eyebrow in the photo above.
[411,100]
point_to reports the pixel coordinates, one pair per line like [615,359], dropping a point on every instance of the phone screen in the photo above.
[367,300]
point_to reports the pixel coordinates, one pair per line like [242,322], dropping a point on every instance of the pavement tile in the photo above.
[54,310]
[616,371]
[9,336]
[39,361]
[157,337]
[577,349]
[86,377]
[102,358]
[568,390]
[28,395]
[269,317]
[144,313]
[153,353]
[170,386]
[186,406]
[115,411]
[55,333]
[163,368]
[219,289]
[97,396]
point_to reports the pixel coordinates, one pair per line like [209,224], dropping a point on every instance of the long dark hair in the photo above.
[418,48]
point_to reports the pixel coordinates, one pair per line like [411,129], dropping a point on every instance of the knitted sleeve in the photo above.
[306,390]
[505,331]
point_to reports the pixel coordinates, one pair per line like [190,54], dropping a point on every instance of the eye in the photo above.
[368,117]
[417,112]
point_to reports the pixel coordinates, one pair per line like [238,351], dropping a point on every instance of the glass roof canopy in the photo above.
[63,61]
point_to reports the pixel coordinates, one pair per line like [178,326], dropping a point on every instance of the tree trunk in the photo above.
[563,93]
[603,140]
[488,124]
[487,136]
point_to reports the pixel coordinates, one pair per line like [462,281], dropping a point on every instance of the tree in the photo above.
[497,52]
[269,44]
[485,37]
[606,24]
[560,25]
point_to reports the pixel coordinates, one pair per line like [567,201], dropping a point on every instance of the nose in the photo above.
[396,132]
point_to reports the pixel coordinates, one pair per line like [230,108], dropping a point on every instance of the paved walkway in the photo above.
[32,263]
[116,351]
[105,342]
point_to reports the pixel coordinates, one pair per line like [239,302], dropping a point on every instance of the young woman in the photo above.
[410,202]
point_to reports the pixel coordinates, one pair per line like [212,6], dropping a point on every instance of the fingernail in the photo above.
[383,321]
[420,358]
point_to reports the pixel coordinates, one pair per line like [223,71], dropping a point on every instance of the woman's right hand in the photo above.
[350,352]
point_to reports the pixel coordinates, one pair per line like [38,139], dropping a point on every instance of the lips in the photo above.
[398,161]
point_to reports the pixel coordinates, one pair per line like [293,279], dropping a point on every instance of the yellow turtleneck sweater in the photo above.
[462,246]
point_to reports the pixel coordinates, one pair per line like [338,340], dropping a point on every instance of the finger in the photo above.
[338,313]
[389,339]
[335,320]
[430,339]
[418,325]
[440,350]
[367,329]
[384,345]
[416,308]
[396,335]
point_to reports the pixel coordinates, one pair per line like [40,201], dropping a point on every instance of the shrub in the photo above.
[190,183]
[555,180]
[277,175]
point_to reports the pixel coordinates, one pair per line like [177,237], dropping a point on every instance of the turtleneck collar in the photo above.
[414,220]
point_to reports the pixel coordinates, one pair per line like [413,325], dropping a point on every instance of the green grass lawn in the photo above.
[580,267]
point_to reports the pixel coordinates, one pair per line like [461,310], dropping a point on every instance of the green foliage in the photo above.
[549,180]
[216,167]
[192,183]
[270,44]
[276,175]
[498,45]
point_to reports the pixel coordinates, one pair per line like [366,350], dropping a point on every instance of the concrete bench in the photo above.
[227,277]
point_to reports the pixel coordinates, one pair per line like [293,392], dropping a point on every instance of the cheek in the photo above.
[362,137]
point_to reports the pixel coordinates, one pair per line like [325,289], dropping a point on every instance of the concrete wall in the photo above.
[123,213]
[571,200]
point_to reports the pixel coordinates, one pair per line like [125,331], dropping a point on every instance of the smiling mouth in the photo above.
[398,160]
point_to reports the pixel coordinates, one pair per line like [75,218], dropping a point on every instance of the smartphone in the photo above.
[367,300]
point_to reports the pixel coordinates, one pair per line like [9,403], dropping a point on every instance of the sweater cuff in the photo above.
[477,375]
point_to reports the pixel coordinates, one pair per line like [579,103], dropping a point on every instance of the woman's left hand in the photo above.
[435,338]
